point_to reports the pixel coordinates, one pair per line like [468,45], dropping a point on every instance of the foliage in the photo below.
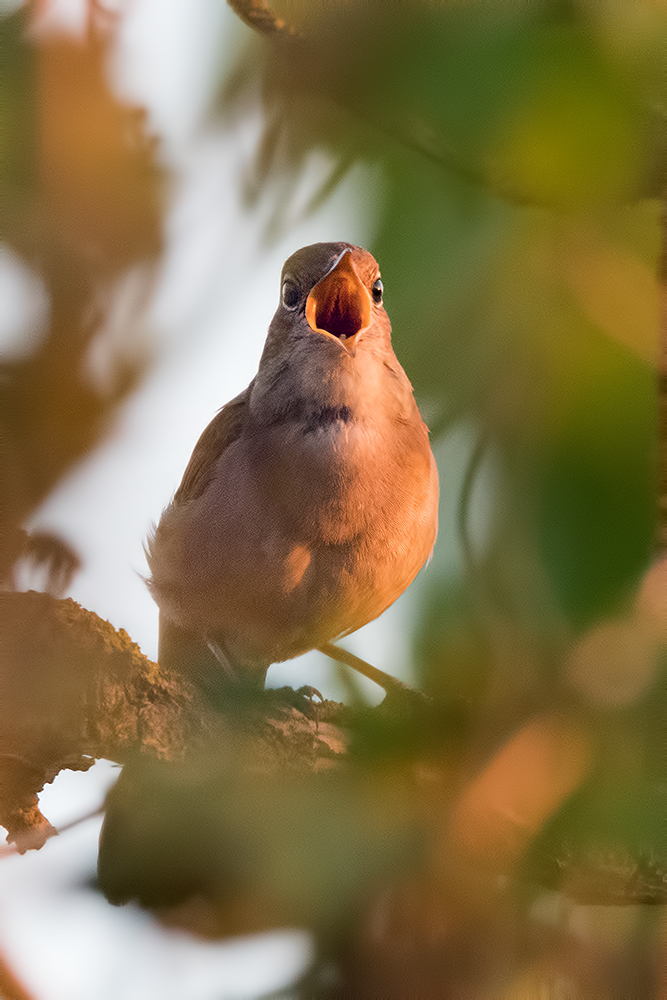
[518,151]
[81,207]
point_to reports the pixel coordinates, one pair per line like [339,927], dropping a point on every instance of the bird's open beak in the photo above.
[340,305]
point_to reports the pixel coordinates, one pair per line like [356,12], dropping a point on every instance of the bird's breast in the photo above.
[335,476]
[307,531]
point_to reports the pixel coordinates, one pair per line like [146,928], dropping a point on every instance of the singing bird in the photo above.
[310,501]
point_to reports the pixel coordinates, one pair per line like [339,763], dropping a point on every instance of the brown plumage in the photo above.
[310,500]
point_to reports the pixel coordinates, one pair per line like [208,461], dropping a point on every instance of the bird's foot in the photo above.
[305,699]
[308,695]
[306,691]
[400,697]
[405,701]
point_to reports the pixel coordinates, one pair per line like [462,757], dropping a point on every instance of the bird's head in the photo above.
[330,335]
[331,292]
[336,288]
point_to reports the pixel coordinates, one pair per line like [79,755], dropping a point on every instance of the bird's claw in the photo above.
[306,699]
[306,691]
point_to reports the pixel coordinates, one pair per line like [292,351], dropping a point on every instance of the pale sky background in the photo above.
[216,293]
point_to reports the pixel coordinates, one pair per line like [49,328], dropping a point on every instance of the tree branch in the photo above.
[73,689]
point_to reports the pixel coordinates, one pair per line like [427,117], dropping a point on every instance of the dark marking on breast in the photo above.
[297,411]
[294,411]
[327,416]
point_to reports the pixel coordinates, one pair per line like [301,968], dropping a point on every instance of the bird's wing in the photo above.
[225,428]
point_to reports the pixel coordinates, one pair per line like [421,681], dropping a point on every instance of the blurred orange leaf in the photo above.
[95,163]
[521,787]
[618,293]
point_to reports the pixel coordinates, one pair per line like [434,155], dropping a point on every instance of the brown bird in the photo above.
[310,501]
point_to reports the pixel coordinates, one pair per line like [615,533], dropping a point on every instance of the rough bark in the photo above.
[74,689]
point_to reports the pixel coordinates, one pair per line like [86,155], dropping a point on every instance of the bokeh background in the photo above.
[504,162]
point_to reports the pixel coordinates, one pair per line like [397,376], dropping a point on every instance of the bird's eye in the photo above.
[377,291]
[291,295]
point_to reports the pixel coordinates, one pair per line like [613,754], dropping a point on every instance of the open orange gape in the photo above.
[340,304]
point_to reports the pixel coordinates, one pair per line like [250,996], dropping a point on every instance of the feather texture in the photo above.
[310,500]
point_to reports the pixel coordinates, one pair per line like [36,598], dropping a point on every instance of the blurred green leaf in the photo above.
[595,478]
[307,848]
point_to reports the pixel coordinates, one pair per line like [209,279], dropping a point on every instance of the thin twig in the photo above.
[9,850]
